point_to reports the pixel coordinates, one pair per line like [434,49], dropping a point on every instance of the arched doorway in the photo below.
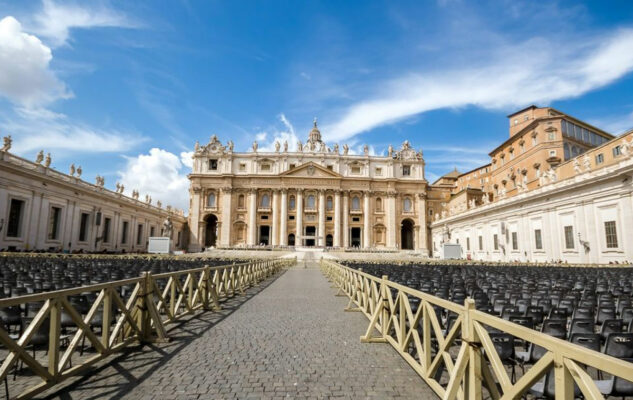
[406,235]
[291,239]
[211,230]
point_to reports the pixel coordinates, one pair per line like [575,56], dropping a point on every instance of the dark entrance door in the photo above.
[329,241]
[310,236]
[291,239]
[211,230]
[355,237]
[406,234]
[264,233]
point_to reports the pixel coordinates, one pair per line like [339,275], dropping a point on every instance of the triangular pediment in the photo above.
[311,170]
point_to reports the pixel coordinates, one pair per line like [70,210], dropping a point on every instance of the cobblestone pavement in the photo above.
[290,340]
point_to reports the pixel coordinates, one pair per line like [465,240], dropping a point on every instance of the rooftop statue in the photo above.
[7,143]
[40,157]
[79,171]
[47,160]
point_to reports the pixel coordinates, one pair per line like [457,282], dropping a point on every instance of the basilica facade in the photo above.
[315,195]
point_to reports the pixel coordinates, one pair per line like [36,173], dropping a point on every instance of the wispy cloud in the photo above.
[275,133]
[510,79]
[36,129]
[54,21]
[615,124]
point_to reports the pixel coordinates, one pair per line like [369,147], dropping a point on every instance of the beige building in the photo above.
[316,195]
[44,209]
[557,189]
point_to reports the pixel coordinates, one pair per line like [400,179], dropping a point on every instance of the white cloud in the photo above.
[36,129]
[616,125]
[55,21]
[511,78]
[25,77]
[160,174]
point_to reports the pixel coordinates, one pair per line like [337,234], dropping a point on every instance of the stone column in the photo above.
[345,219]
[195,239]
[366,221]
[391,220]
[225,232]
[283,219]
[275,233]
[299,219]
[337,218]
[321,233]
[421,243]
[252,218]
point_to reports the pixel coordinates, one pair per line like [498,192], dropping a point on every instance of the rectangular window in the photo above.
[124,232]
[151,231]
[495,240]
[552,153]
[291,217]
[83,227]
[265,167]
[330,167]
[378,171]
[406,170]
[328,218]
[599,158]
[617,151]
[355,219]
[106,230]
[213,165]
[356,170]
[16,210]
[611,234]
[569,237]
[242,167]
[481,243]
[291,166]
[139,234]
[515,241]
[538,240]
[54,218]
[468,243]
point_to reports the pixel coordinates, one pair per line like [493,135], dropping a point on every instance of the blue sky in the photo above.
[124,89]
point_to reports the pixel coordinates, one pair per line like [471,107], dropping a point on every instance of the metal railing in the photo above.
[416,334]
[125,312]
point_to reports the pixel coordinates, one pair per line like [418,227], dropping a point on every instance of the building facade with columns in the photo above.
[315,195]
[43,209]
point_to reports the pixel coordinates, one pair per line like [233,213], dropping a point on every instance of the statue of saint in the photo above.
[345,149]
[167,227]
[47,161]
[7,143]
[72,170]
[390,151]
[285,146]
[255,146]
[277,146]
[79,171]
[40,157]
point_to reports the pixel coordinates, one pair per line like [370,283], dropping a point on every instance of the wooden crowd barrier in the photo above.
[154,301]
[477,366]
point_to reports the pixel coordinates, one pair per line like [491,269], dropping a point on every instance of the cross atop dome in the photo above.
[315,134]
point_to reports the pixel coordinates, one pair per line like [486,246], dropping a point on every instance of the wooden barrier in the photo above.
[131,310]
[477,366]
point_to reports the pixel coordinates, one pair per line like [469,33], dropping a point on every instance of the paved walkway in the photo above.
[287,339]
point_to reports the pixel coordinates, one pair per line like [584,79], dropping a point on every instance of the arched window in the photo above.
[265,202]
[211,200]
[379,204]
[292,203]
[311,204]
[355,203]
[407,205]
[328,203]
[240,202]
